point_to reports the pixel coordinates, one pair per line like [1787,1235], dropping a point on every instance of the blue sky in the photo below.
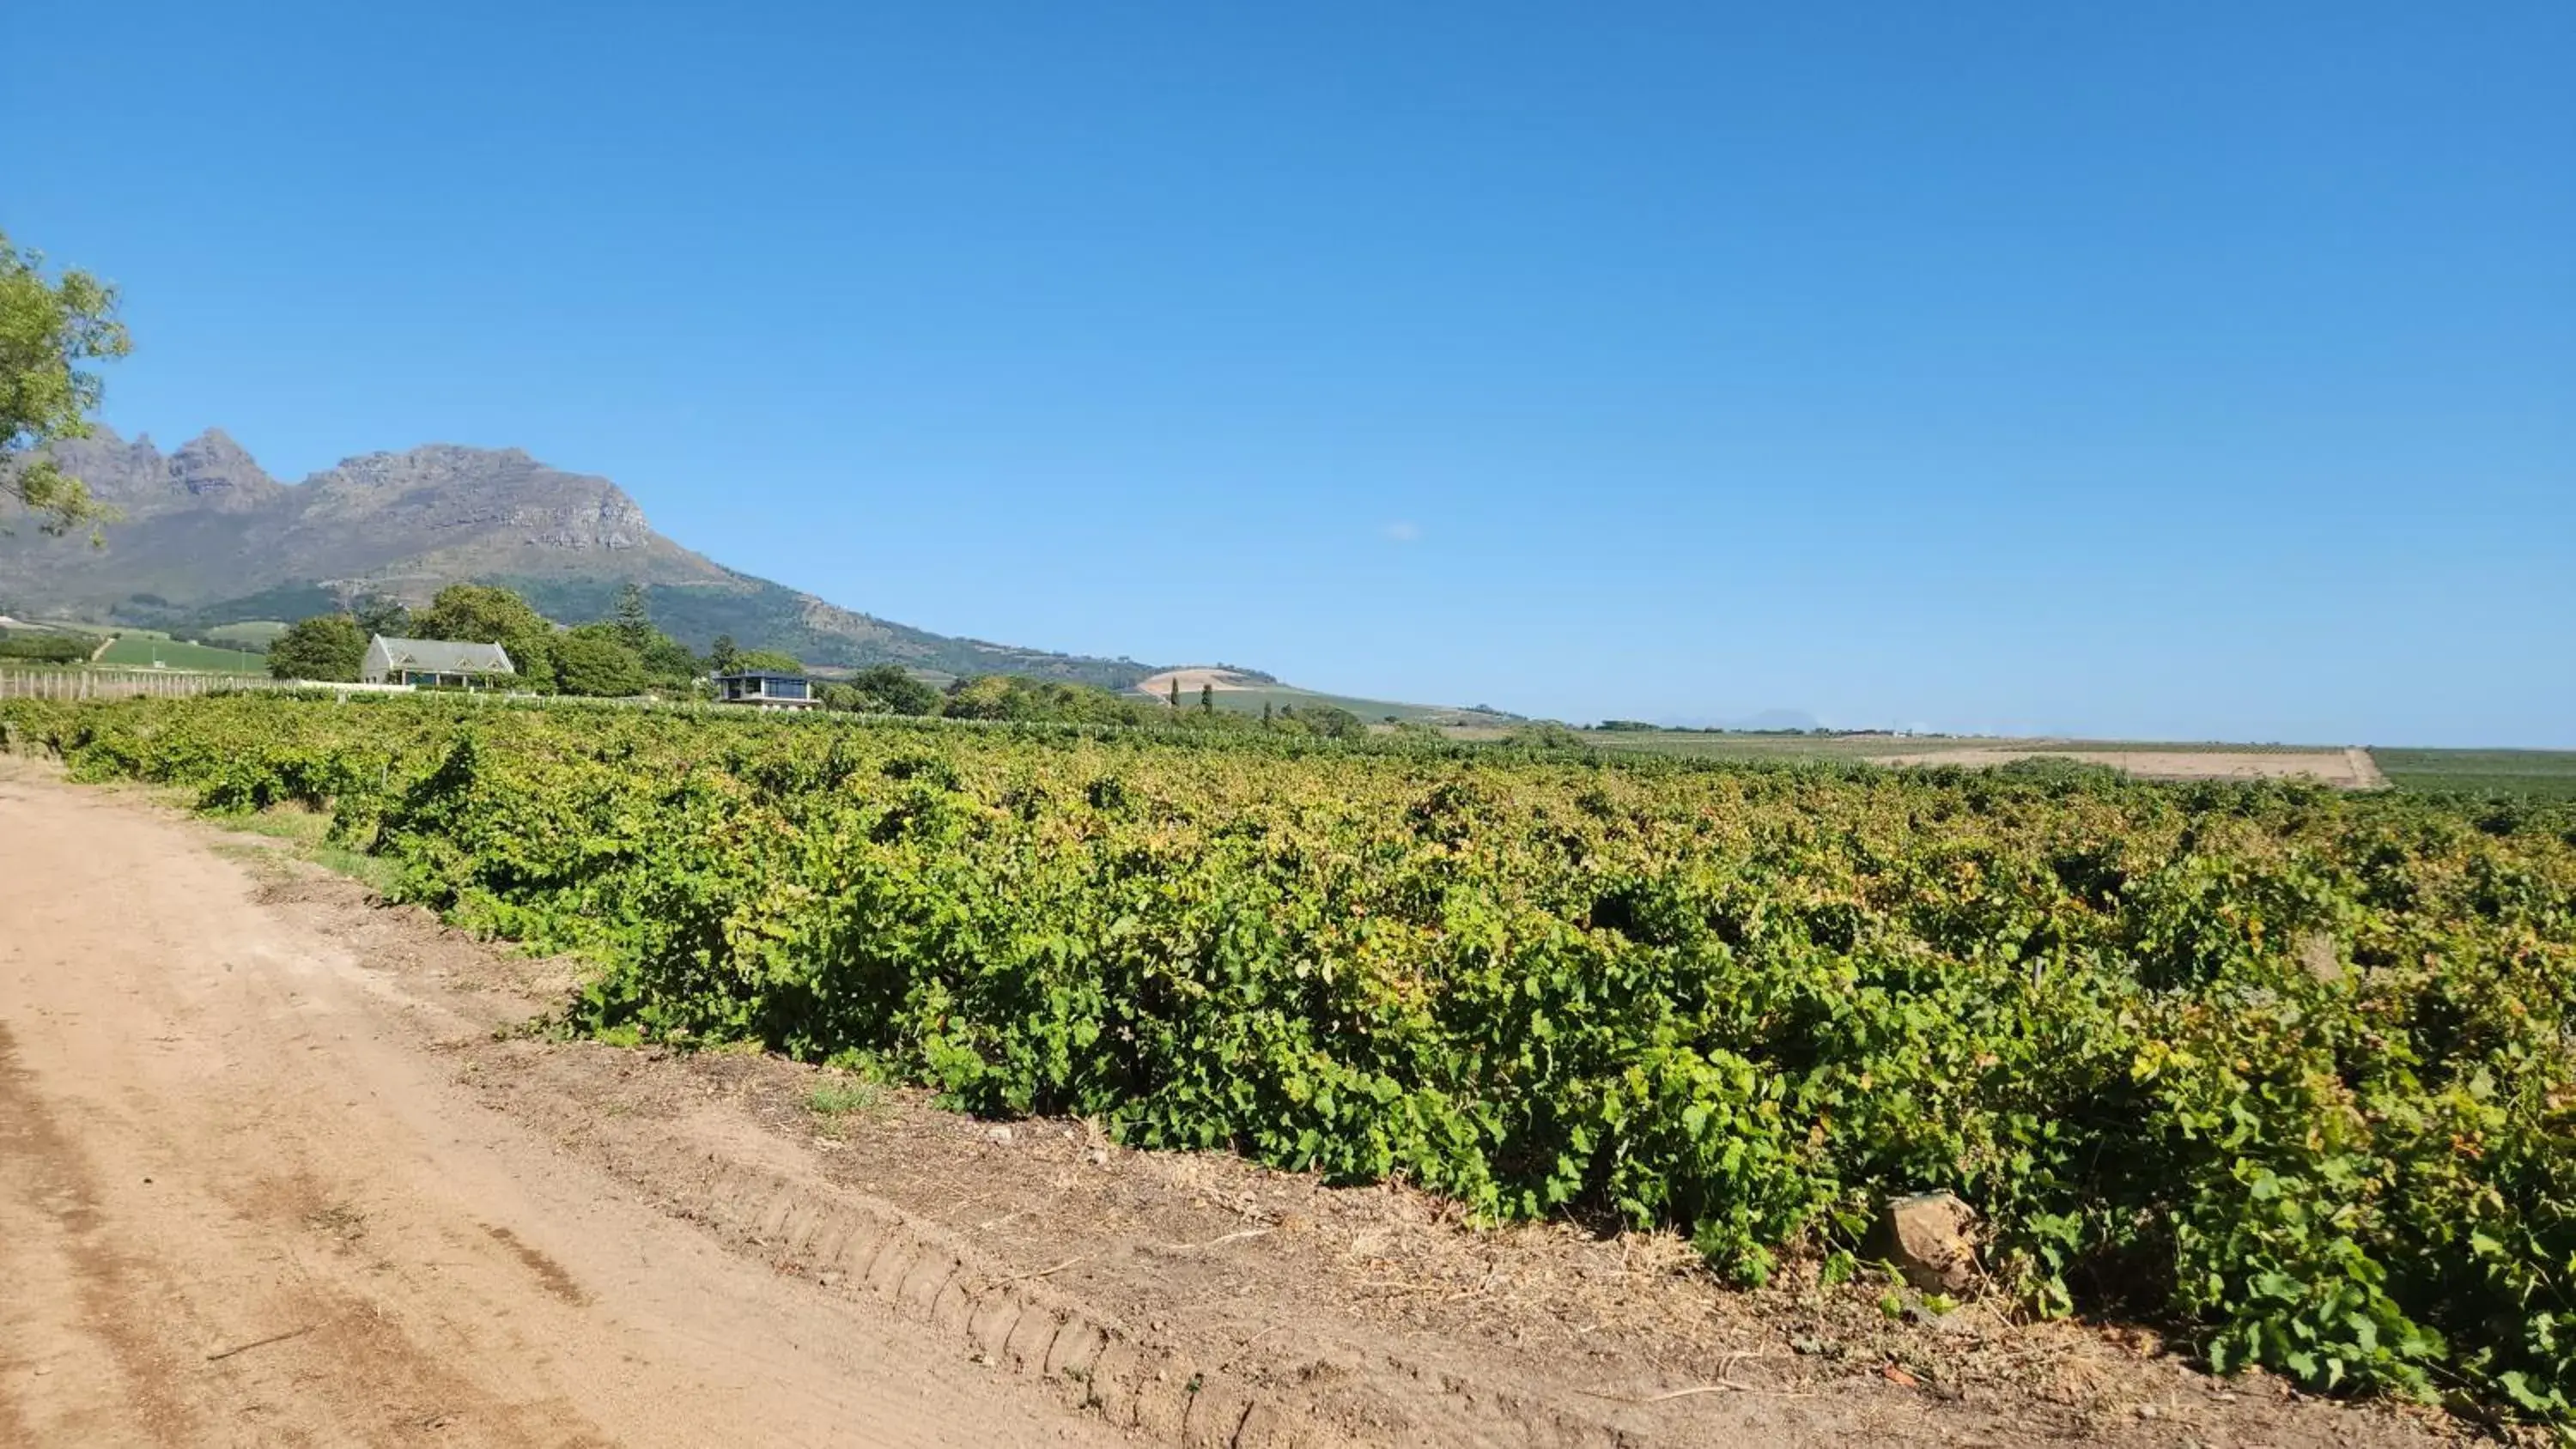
[2168,371]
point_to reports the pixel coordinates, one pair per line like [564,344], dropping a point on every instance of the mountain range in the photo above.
[207,537]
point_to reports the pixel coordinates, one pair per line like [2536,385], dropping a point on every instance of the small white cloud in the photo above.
[1402,532]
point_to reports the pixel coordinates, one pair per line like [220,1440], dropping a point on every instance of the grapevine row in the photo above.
[2289,1067]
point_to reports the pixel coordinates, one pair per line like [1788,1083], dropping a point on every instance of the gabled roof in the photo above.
[445,656]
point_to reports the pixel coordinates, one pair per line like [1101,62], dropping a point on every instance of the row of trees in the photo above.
[624,655]
[46,648]
[614,658]
[889,689]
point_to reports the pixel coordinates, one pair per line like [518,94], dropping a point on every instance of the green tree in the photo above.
[1544,734]
[724,656]
[1010,696]
[382,614]
[668,664]
[888,689]
[1332,722]
[1207,699]
[594,660]
[480,614]
[325,647]
[1173,697]
[633,617]
[47,648]
[47,331]
[768,661]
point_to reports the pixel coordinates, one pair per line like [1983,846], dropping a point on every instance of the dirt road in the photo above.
[243,1201]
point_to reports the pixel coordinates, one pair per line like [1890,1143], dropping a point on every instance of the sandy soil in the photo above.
[275,1167]
[2347,769]
[242,1201]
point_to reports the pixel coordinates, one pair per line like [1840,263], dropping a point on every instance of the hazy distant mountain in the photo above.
[208,537]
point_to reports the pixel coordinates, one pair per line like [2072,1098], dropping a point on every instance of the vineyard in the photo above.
[2285,1069]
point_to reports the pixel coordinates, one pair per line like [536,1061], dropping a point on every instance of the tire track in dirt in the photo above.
[66,1282]
[243,1201]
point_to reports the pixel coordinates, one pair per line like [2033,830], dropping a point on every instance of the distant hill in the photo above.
[209,538]
[1246,691]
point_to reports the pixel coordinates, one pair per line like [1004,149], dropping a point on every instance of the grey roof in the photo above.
[446,656]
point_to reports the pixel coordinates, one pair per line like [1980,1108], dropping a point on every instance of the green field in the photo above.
[70,626]
[2540,774]
[141,650]
[260,632]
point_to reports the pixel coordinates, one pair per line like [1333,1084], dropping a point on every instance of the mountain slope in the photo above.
[208,536]
[1249,691]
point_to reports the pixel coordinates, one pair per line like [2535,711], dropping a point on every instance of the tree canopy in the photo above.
[766,661]
[481,614]
[47,331]
[1014,697]
[884,689]
[325,647]
[382,614]
[633,617]
[47,648]
[595,660]
[1331,721]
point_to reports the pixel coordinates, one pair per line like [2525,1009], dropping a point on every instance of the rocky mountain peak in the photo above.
[211,466]
[207,536]
[430,465]
[456,490]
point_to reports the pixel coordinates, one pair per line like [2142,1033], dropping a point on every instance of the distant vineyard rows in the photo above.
[2290,1068]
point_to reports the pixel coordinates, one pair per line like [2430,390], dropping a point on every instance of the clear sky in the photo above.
[2186,370]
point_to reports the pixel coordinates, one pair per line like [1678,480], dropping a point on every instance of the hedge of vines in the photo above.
[2288,1067]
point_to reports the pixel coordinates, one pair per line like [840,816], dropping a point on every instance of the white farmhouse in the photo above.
[432,662]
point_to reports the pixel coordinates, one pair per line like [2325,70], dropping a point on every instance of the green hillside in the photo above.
[259,633]
[140,651]
[1284,696]
[763,615]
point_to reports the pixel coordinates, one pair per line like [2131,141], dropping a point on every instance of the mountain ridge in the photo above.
[208,533]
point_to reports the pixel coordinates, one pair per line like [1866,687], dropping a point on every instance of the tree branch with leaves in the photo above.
[48,331]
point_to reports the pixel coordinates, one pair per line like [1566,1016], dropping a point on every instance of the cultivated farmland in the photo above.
[2281,1066]
[2546,774]
[147,650]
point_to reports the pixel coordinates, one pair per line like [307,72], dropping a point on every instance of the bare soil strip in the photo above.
[243,1200]
[268,1174]
[1191,680]
[2344,769]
